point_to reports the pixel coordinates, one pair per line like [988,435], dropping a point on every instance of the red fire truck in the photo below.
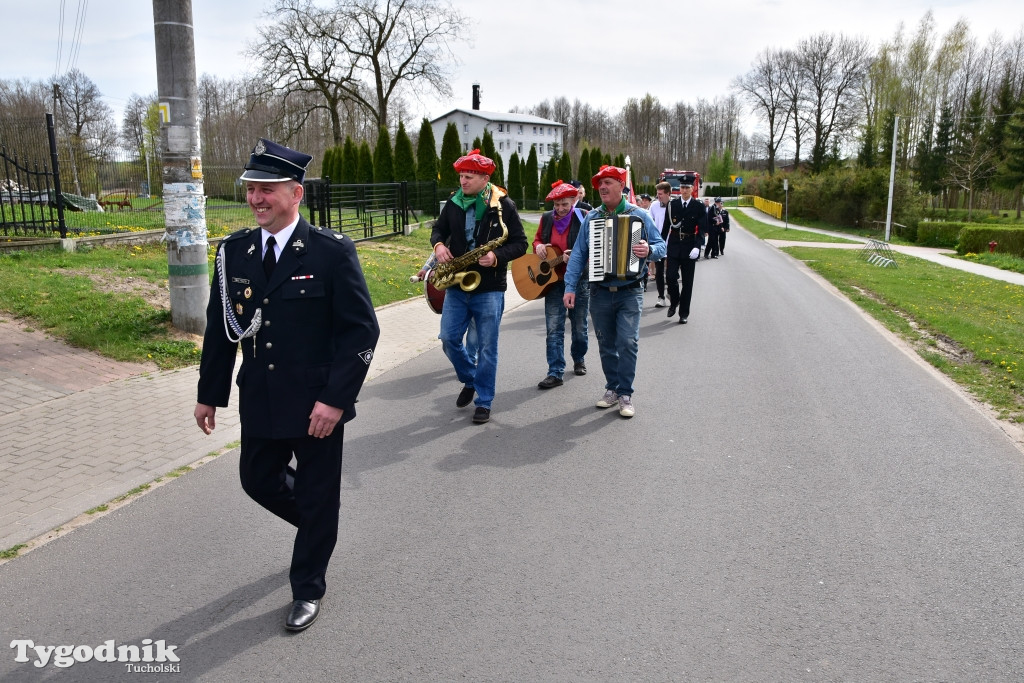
[674,178]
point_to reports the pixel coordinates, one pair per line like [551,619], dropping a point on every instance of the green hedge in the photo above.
[975,239]
[938,233]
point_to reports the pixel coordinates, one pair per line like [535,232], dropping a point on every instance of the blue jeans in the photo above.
[616,317]
[554,316]
[485,310]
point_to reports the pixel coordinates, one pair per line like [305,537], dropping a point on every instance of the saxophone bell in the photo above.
[467,280]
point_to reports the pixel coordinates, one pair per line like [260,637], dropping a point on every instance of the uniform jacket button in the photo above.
[266,301]
[270,367]
[270,345]
[266,323]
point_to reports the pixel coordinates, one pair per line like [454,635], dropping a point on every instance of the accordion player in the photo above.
[611,247]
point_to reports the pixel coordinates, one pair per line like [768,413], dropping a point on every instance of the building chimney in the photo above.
[476,97]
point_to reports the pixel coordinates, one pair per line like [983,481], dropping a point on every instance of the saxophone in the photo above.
[454,272]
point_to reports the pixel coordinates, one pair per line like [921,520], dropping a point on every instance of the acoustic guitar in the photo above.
[533,276]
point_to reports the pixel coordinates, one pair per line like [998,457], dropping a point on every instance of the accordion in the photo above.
[611,247]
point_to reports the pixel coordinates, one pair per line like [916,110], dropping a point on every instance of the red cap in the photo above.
[613,172]
[560,190]
[474,162]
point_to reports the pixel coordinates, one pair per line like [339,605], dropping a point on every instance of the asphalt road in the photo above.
[796,499]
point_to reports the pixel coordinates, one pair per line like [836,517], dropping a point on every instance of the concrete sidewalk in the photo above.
[79,429]
[940,256]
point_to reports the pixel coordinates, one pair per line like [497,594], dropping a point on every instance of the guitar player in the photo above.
[558,230]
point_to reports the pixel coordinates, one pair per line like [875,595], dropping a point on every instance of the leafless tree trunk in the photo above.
[763,88]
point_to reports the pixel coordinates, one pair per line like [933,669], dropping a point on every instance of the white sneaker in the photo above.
[626,408]
[660,303]
[609,399]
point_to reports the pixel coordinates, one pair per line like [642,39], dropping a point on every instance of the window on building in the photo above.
[501,127]
[465,146]
[520,130]
[465,128]
[520,150]
[535,130]
[501,145]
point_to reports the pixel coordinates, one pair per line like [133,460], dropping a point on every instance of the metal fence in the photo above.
[118,190]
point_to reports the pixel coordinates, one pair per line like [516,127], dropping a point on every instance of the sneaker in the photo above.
[626,408]
[465,397]
[481,415]
[549,382]
[579,368]
[609,399]
[660,303]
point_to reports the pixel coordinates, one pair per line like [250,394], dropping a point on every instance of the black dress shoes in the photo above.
[682,321]
[549,382]
[481,415]
[465,397]
[579,369]
[302,615]
[672,310]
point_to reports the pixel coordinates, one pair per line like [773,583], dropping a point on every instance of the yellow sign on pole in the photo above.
[197,168]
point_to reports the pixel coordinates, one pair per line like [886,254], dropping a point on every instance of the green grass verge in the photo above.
[997,260]
[54,291]
[966,325]
[766,231]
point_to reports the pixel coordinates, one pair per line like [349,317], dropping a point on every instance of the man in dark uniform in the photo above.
[295,297]
[475,216]
[581,196]
[688,221]
[724,215]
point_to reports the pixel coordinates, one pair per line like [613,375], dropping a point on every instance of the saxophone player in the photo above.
[479,217]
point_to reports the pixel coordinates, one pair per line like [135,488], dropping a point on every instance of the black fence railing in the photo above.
[368,211]
[31,202]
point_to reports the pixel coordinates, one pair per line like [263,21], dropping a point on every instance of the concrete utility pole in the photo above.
[184,200]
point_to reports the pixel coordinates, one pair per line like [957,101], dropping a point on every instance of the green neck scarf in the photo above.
[618,209]
[479,200]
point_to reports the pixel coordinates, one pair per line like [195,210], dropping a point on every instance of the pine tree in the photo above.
[426,153]
[943,149]
[531,179]
[1011,171]
[349,172]
[383,158]
[924,159]
[405,164]
[885,156]
[515,180]
[365,173]
[868,151]
[550,176]
[477,144]
[620,160]
[487,145]
[450,153]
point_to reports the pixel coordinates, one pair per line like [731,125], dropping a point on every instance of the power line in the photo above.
[76,44]
[60,40]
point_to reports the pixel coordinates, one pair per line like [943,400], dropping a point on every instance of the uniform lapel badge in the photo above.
[248,292]
[299,244]
[252,248]
[238,308]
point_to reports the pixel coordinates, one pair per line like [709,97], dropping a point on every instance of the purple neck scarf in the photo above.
[562,224]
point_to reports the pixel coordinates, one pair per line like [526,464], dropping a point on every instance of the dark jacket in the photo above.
[688,226]
[316,339]
[450,228]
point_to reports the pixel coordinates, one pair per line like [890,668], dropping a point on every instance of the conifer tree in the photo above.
[450,153]
[405,163]
[349,171]
[550,176]
[515,180]
[531,179]
[498,177]
[564,168]
[383,158]
[426,153]
[487,145]
[365,173]
[585,171]
[327,165]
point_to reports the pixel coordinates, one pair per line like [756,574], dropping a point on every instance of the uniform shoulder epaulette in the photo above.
[327,232]
[236,234]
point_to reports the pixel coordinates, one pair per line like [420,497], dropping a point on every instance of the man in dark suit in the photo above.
[294,296]
[688,224]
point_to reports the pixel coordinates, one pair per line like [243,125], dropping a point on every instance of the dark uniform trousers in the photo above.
[314,344]
[681,241]
[307,497]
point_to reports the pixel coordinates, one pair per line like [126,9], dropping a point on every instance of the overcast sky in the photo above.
[523,51]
